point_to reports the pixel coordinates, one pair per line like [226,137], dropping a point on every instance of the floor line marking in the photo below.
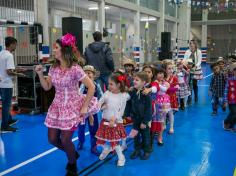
[207,75]
[34,158]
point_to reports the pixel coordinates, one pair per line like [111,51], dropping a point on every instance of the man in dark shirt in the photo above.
[99,55]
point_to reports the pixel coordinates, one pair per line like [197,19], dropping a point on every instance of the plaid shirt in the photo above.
[217,85]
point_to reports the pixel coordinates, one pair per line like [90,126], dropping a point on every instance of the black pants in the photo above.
[143,140]
[195,89]
[231,118]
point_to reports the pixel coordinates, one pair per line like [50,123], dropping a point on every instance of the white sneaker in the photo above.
[121,162]
[104,154]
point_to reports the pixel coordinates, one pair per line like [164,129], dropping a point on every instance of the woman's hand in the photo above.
[83,111]
[39,69]
[91,120]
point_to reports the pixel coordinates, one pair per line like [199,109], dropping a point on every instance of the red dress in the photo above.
[173,81]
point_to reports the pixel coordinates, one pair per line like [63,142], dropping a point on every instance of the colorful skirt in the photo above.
[156,127]
[112,135]
[66,116]
[197,74]
[174,102]
[184,90]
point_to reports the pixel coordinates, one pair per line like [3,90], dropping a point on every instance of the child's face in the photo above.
[169,69]
[138,83]
[90,74]
[180,66]
[160,76]
[216,69]
[128,68]
[148,71]
[112,86]
[221,64]
[190,65]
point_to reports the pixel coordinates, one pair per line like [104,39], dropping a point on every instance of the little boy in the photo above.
[93,119]
[216,89]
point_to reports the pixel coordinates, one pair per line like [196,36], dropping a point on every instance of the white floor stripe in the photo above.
[34,158]
[204,85]
[207,75]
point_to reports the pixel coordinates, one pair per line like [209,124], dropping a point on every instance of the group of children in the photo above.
[148,99]
[223,90]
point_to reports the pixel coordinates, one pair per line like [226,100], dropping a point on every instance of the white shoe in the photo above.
[121,162]
[104,154]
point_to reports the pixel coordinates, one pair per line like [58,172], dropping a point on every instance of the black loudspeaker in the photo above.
[165,41]
[165,55]
[74,26]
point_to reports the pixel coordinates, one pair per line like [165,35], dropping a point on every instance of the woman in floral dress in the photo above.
[69,108]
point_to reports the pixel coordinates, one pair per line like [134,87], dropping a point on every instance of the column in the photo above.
[204,28]
[138,55]
[184,26]
[161,22]
[101,15]
[41,16]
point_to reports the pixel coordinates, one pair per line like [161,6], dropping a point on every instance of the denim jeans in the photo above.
[92,130]
[6,96]
[103,81]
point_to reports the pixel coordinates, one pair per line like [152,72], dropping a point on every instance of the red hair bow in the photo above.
[121,78]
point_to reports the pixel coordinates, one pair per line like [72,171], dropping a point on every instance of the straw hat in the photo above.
[92,69]
[128,61]
[220,59]
[232,67]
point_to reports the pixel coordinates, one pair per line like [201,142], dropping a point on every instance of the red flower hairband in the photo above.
[121,78]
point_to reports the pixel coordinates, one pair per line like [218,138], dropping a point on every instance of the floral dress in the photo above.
[64,112]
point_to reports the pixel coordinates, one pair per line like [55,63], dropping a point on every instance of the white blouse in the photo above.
[115,105]
[197,56]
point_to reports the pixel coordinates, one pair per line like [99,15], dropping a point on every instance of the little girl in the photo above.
[111,130]
[174,86]
[184,90]
[162,106]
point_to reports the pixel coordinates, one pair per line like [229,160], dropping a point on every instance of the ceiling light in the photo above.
[96,8]
[148,19]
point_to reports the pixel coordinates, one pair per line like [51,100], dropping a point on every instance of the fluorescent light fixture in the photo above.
[96,8]
[19,11]
[148,19]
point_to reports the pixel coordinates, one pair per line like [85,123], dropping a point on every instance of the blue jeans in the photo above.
[6,95]
[102,80]
[92,130]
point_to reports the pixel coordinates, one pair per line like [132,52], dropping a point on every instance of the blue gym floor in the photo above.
[199,147]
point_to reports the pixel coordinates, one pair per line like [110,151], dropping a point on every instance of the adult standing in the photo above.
[7,72]
[196,55]
[99,55]
[68,107]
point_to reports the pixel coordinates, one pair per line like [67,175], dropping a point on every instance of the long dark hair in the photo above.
[70,56]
